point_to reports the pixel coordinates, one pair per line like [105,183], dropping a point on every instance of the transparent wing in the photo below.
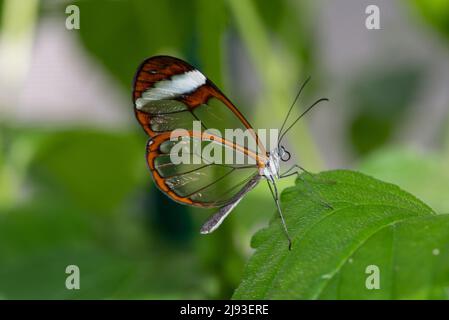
[193,171]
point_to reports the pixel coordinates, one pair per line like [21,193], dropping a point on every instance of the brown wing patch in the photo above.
[155,69]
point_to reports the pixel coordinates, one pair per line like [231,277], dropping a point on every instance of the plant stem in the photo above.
[274,66]
[18,21]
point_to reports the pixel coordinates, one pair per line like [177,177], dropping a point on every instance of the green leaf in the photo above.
[424,175]
[371,223]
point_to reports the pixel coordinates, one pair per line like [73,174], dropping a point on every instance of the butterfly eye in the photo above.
[285,155]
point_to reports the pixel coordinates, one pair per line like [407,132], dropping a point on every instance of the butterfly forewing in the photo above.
[169,94]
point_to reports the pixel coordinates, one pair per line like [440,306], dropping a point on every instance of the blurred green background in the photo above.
[74,186]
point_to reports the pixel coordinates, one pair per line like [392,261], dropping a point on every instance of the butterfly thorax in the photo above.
[272,166]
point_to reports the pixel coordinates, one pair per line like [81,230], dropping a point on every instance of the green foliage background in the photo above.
[81,194]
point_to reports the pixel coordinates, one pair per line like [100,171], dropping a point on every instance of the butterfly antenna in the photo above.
[275,195]
[294,102]
[302,115]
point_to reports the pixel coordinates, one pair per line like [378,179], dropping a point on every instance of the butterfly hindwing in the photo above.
[199,181]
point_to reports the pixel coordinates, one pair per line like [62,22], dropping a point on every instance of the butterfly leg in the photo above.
[275,194]
[289,173]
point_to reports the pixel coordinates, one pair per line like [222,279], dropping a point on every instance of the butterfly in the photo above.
[169,95]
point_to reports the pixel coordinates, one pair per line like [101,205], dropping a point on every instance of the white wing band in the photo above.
[178,85]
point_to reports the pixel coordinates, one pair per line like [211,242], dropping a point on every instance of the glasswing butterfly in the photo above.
[168,95]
